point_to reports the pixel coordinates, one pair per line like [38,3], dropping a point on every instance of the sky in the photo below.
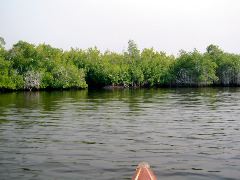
[165,25]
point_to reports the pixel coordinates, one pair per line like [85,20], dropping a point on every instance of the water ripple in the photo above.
[183,133]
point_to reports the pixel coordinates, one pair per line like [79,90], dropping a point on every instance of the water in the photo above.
[183,133]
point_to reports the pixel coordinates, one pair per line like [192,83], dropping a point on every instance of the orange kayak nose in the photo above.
[143,172]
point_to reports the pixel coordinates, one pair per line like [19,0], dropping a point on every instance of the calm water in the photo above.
[183,133]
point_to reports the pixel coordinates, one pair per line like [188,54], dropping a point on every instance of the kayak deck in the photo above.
[143,172]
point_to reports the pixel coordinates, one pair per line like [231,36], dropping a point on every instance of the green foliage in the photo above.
[67,76]
[27,66]
[2,43]
[229,70]
[155,67]
[133,50]
[22,56]
[9,79]
[194,69]
[40,67]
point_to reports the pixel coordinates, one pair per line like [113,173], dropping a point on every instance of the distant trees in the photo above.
[9,78]
[133,50]
[156,67]
[194,69]
[30,67]
[26,66]
[2,42]
[228,66]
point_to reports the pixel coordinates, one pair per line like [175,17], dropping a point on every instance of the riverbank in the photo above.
[112,88]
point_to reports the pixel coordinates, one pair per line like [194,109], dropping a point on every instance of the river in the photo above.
[184,134]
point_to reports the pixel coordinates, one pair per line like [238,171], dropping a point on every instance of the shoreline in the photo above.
[116,88]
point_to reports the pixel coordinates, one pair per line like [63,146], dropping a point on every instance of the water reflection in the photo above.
[183,133]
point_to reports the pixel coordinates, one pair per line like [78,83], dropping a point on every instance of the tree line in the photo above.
[32,67]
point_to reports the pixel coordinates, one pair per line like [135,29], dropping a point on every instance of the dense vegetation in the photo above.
[26,66]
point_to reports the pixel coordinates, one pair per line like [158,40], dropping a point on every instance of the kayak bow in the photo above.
[143,172]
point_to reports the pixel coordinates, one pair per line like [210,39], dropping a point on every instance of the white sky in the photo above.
[167,25]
